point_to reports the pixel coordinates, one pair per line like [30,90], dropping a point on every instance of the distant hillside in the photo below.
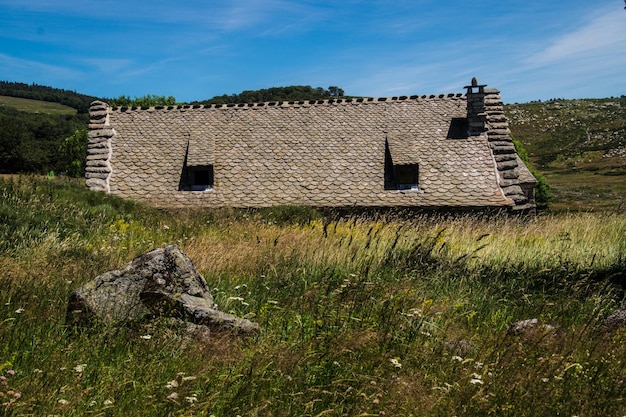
[80,102]
[579,145]
[36,106]
[567,131]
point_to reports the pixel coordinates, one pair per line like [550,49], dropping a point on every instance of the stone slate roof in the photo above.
[319,153]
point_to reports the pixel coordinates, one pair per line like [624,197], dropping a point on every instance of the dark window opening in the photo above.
[406,176]
[201,178]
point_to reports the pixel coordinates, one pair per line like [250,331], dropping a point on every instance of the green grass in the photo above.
[360,315]
[36,106]
[587,190]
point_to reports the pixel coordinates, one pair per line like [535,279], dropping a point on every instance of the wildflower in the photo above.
[146,337]
[17,395]
[189,378]
[240,299]
[63,401]
[108,402]
[19,311]
[80,368]
[457,358]
[396,362]
[476,379]
[37,371]
[172,384]
[93,403]
[192,399]
[173,396]
[10,372]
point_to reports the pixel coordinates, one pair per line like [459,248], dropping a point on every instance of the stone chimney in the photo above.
[476,110]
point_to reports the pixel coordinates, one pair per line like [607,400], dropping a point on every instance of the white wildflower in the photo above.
[80,368]
[395,362]
[108,403]
[63,401]
[173,396]
[189,378]
[476,379]
[192,399]
[172,384]
[146,337]
[457,358]
[241,300]
[19,311]
[93,403]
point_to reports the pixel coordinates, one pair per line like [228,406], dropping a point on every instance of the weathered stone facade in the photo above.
[448,151]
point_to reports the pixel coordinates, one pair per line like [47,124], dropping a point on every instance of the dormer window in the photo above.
[401,173]
[197,174]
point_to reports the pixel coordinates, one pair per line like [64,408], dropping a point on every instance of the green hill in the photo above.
[36,106]
[580,147]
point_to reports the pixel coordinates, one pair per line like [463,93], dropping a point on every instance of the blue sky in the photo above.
[197,49]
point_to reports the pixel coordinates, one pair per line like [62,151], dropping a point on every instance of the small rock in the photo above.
[617,319]
[530,325]
[459,347]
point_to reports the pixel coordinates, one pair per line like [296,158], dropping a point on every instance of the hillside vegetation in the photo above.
[360,316]
[580,146]
[36,106]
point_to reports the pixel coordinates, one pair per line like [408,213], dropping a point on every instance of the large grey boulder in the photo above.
[162,282]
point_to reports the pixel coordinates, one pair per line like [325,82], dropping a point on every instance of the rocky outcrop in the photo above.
[160,283]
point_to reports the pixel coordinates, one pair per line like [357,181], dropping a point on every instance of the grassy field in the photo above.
[36,106]
[361,316]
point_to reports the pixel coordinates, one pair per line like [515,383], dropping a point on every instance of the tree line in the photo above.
[291,93]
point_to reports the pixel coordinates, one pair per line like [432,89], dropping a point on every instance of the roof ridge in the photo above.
[294,103]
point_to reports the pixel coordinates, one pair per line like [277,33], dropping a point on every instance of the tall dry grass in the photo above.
[360,315]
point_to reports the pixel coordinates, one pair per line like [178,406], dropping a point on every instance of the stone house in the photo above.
[439,151]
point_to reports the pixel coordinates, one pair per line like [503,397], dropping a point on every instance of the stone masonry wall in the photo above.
[98,168]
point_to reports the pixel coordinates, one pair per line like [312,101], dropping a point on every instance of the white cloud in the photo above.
[10,65]
[604,34]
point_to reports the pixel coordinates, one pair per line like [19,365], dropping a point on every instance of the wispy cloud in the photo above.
[604,34]
[10,65]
